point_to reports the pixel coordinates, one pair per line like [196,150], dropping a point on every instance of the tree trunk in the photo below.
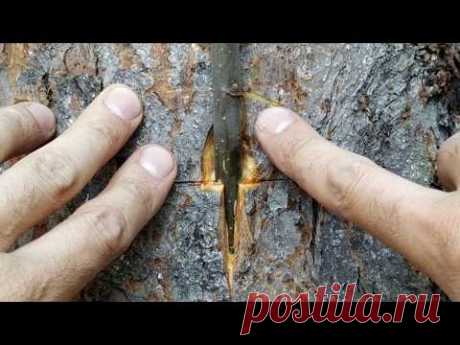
[394,103]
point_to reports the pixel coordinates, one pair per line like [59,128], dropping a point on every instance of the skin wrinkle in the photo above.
[108,226]
[113,136]
[61,163]
[21,130]
[58,264]
[57,173]
[398,212]
[421,223]
[308,166]
[136,191]
[393,213]
[344,179]
[19,204]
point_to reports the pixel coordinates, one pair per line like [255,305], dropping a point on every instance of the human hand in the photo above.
[422,224]
[60,263]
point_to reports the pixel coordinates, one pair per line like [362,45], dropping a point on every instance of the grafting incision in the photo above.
[394,103]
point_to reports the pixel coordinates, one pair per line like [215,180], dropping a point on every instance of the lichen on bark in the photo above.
[394,103]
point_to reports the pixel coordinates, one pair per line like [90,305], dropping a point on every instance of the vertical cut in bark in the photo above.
[394,103]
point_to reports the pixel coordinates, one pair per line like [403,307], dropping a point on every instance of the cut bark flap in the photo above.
[393,103]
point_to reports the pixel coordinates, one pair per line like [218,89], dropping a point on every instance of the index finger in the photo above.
[45,180]
[388,206]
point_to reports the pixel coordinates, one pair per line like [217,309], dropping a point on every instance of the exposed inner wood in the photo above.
[208,164]
[393,103]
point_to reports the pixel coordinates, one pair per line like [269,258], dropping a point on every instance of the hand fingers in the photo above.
[64,260]
[391,208]
[49,177]
[448,162]
[24,127]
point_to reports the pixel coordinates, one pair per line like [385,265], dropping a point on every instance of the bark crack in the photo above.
[316,209]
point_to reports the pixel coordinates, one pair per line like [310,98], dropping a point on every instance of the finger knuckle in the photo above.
[393,216]
[344,178]
[106,133]
[447,233]
[107,226]
[295,151]
[451,255]
[440,223]
[57,172]
[135,189]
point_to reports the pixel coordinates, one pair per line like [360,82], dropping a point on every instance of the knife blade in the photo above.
[226,80]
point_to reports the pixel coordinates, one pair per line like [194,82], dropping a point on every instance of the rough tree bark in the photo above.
[394,103]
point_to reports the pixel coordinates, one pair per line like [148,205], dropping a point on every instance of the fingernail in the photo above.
[275,120]
[44,117]
[157,161]
[123,102]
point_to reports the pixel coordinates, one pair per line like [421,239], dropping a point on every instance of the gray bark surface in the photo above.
[393,103]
